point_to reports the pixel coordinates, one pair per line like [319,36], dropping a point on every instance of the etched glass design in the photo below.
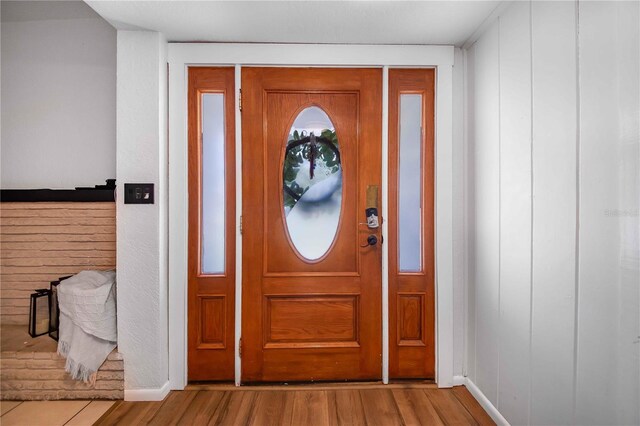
[312,183]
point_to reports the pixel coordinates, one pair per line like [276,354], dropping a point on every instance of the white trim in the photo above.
[385,226]
[178,225]
[485,403]
[444,226]
[181,55]
[310,54]
[459,380]
[148,394]
[238,312]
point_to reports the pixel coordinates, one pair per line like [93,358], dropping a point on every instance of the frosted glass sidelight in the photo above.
[410,184]
[312,183]
[213,185]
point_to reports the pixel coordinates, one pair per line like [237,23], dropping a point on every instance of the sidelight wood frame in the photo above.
[412,358]
[201,286]
[183,55]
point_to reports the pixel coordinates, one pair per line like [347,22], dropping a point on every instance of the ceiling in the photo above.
[352,22]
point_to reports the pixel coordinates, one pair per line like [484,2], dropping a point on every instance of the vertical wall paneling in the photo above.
[608,322]
[469,211]
[487,213]
[554,210]
[515,213]
[458,214]
[568,225]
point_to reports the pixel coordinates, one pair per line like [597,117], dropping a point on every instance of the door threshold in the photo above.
[320,386]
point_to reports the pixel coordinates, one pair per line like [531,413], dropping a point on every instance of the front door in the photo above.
[311,285]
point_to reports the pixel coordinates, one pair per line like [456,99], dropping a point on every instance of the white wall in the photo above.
[552,193]
[142,229]
[58,95]
[458,215]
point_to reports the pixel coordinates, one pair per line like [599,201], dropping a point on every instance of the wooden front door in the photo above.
[311,286]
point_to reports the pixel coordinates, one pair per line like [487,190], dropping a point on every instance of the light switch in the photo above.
[138,193]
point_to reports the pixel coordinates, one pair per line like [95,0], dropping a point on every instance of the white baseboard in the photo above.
[459,380]
[147,394]
[485,403]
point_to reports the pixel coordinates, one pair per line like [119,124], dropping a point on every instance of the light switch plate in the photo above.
[138,193]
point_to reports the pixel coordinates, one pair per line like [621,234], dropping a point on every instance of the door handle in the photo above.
[372,240]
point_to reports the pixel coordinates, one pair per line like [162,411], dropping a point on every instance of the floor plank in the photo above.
[380,407]
[270,408]
[450,410]
[130,413]
[202,408]
[345,408]
[173,408]
[415,407]
[236,408]
[470,403]
[310,408]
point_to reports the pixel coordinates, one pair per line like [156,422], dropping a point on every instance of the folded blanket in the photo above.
[87,332]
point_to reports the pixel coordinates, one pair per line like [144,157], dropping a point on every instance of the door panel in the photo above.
[211,273]
[411,224]
[307,319]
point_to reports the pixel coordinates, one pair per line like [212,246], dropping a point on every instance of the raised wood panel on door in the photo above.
[411,294]
[306,320]
[211,298]
[329,321]
[42,241]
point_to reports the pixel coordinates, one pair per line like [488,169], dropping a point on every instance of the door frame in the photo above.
[183,55]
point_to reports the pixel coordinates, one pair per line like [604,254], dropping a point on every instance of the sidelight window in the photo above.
[213,184]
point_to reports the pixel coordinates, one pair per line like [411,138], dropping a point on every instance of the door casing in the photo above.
[439,57]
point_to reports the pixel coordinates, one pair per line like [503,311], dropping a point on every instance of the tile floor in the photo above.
[50,413]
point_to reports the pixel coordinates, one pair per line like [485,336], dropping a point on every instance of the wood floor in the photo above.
[367,405]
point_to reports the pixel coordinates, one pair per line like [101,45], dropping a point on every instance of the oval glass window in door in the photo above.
[312,183]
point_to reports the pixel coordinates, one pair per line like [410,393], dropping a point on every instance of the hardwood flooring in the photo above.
[322,405]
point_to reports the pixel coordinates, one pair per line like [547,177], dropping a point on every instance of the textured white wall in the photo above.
[58,95]
[142,229]
[552,213]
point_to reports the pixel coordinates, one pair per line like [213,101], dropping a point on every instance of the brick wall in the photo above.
[40,242]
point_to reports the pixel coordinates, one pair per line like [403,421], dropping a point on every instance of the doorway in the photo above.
[309,264]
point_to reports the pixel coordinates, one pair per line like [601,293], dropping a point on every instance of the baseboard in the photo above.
[147,394]
[485,403]
[459,380]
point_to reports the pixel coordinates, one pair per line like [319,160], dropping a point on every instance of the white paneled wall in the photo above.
[486,183]
[552,197]
[608,339]
[554,77]
[515,213]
